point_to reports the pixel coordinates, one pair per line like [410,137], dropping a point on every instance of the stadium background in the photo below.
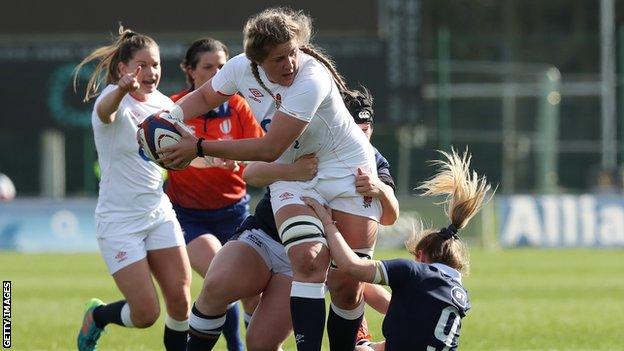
[533,88]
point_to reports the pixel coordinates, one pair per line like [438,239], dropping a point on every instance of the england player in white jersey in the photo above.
[137,230]
[295,92]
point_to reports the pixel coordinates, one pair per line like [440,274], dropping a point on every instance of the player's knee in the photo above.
[216,288]
[345,292]
[179,304]
[144,316]
[309,260]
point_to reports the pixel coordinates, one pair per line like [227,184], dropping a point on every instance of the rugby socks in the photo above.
[343,325]
[204,331]
[247,318]
[112,313]
[307,309]
[231,328]
[176,333]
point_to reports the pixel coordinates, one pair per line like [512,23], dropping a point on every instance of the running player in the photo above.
[296,89]
[256,261]
[137,230]
[210,197]
[428,299]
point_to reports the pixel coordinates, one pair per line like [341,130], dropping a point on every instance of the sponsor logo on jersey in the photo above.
[286,196]
[255,92]
[459,296]
[121,255]
[368,200]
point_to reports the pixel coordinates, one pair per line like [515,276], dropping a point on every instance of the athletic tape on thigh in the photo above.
[300,229]
[365,254]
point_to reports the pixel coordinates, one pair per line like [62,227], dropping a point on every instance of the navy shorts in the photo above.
[221,223]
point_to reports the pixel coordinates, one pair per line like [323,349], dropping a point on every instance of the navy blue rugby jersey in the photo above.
[426,308]
[263,215]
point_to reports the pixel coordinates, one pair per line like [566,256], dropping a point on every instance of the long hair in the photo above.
[199,46]
[121,50]
[465,192]
[275,26]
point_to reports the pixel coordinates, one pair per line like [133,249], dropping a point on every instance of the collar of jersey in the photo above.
[453,273]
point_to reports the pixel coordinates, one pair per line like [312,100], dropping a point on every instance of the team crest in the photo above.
[459,296]
[367,201]
[278,101]
[286,196]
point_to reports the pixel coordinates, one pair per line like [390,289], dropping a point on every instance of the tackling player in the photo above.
[209,196]
[428,300]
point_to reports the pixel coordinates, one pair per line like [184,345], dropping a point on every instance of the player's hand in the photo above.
[367,184]
[128,82]
[322,212]
[182,153]
[305,168]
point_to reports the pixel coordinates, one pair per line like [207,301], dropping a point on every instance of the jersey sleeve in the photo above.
[398,272]
[306,93]
[225,81]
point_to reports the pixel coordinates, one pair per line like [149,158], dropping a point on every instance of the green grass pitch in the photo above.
[522,299]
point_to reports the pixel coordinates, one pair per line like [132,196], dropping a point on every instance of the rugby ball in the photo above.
[155,132]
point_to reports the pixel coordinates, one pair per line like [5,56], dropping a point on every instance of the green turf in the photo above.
[521,300]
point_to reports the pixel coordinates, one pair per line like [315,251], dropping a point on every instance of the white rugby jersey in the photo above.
[313,97]
[130,185]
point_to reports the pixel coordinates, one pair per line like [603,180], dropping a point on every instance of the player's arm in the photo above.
[377,297]
[261,174]
[346,260]
[283,132]
[197,102]
[107,106]
[370,185]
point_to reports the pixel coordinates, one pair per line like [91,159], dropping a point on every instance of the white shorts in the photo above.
[123,243]
[338,193]
[272,252]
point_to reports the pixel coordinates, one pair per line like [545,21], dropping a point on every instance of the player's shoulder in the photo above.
[312,69]
[239,63]
[177,96]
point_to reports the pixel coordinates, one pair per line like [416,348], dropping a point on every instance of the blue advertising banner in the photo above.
[36,225]
[561,221]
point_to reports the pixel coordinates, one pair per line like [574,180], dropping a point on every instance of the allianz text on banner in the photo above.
[561,221]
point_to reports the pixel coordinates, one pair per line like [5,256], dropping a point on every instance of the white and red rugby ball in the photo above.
[155,132]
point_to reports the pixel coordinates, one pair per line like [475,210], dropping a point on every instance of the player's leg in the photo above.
[249,306]
[201,251]
[301,232]
[271,325]
[172,271]
[347,308]
[237,271]
[170,265]
[124,255]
